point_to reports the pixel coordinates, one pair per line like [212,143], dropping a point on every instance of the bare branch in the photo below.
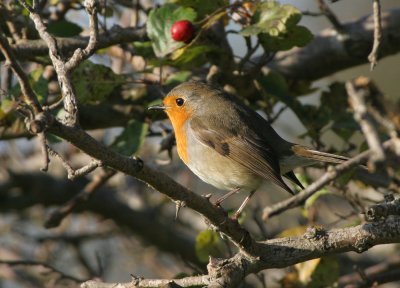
[324,8]
[27,49]
[140,282]
[80,55]
[281,252]
[345,51]
[383,210]
[94,164]
[373,56]
[72,174]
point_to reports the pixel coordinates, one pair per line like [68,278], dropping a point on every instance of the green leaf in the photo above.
[64,28]
[276,27]
[325,274]
[334,104]
[298,36]
[38,83]
[159,26]
[273,18]
[131,138]
[7,106]
[95,82]
[208,244]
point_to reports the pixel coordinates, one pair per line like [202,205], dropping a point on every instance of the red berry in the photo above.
[182,31]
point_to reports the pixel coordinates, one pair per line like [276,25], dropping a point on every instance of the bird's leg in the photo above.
[240,209]
[224,197]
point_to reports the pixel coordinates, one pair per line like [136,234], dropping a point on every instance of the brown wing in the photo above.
[250,152]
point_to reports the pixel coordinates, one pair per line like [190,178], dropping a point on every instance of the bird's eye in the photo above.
[179,101]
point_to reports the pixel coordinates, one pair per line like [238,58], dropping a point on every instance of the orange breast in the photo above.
[178,119]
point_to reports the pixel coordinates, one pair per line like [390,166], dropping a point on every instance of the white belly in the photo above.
[218,170]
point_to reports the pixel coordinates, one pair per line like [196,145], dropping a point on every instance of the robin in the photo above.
[229,145]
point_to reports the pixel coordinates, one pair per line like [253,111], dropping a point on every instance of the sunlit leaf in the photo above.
[208,244]
[7,106]
[306,269]
[276,27]
[95,82]
[293,231]
[325,273]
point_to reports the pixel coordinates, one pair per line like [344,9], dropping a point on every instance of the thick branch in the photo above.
[27,49]
[284,252]
[330,52]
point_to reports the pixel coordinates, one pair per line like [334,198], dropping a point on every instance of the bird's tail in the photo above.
[311,154]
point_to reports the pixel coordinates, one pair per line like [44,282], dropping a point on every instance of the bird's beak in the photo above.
[156,107]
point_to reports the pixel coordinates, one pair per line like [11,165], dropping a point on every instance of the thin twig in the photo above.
[330,15]
[72,173]
[330,175]
[79,54]
[94,164]
[373,56]
[357,98]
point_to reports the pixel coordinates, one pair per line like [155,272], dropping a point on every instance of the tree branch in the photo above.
[26,49]
[373,56]
[344,50]
[281,252]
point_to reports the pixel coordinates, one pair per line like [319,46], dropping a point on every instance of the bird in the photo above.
[229,145]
